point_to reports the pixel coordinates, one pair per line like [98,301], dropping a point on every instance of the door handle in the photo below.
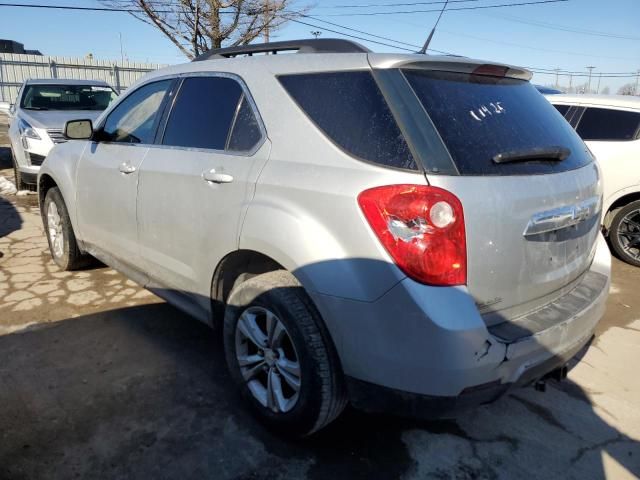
[212,176]
[126,168]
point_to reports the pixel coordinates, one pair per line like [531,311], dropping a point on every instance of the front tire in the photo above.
[280,355]
[62,241]
[20,184]
[624,233]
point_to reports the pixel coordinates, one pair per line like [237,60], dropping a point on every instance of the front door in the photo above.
[108,172]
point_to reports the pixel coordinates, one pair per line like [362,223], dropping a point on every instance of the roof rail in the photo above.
[318,45]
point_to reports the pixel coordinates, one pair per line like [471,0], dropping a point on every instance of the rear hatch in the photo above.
[529,187]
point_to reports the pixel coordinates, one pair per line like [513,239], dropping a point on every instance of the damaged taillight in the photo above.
[422,228]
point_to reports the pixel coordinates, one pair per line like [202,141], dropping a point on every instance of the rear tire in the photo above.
[62,241]
[624,233]
[276,298]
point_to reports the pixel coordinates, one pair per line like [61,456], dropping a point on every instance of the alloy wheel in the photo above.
[629,234]
[54,228]
[268,360]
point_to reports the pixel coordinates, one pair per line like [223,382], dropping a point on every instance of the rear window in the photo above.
[350,109]
[479,117]
[563,109]
[607,124]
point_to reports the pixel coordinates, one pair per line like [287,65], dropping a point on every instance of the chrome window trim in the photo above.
[246,94]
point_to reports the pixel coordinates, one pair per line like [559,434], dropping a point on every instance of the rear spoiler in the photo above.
[450,64]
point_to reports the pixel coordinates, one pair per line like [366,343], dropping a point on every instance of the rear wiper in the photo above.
[539,153]
[35,108]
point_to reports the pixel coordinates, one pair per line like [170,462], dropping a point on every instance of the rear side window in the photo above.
[203,113]
[479,117]
[563,109]
[349,108]
[246,130]
[607,124]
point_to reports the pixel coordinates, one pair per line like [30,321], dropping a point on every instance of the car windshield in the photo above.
[67,97]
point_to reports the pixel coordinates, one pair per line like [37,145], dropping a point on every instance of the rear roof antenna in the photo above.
[423,50]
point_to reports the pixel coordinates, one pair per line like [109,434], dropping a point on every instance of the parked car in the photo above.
[547,90]
[610,126]
[41,110]
[357,229]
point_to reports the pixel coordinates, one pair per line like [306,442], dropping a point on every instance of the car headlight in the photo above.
[27,130]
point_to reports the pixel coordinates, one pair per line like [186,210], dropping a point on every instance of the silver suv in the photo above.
[408,233]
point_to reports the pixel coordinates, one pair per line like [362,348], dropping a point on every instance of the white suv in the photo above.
[610,126]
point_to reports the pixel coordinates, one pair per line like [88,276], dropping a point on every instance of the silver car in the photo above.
[408,233]
[39,114]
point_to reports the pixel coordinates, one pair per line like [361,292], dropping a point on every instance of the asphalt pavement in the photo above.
[101,379]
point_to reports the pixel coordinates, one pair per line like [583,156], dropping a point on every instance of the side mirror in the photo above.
[78,129]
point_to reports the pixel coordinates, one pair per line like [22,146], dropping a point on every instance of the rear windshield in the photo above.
[67,97]
[479,117]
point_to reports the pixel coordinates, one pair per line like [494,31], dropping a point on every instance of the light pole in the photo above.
[589,84]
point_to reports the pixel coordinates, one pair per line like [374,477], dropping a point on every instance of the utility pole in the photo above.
[635,90]
[316,33]
[599,78]
[589,84]
[570,82]
[557,70]
[121,49]
[266,21]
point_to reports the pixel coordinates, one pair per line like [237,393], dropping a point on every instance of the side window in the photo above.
[203,113]
[246,130]
[134,120]
[350,109]
[607,124]
[563,109]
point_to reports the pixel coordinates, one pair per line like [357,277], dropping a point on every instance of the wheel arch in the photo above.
[619,203]
[235,267]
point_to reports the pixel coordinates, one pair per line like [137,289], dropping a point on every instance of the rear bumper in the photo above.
[375,398]
[431,343]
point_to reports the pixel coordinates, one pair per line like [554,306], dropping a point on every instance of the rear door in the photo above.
[531,221]
[195,184]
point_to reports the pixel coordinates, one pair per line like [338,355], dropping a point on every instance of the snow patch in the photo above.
[7,187]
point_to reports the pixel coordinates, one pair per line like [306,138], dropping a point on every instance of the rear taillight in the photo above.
[422,228]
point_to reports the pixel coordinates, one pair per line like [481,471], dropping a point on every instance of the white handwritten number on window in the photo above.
[485,111]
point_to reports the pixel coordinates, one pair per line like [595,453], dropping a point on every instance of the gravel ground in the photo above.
[100,379]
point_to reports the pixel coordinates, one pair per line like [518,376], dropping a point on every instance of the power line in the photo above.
[384,5]
[373,35]
[348,35]
[476,7]
[564,28]
[519,45]
[70,7]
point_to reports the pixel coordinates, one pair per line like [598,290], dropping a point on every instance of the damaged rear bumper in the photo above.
[426,351]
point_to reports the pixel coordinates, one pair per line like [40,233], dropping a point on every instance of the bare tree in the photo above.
[627,89]
[606,91]
[195,26]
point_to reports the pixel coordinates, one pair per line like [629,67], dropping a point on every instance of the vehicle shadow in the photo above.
[5,158]
[10,218]
[143,392]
